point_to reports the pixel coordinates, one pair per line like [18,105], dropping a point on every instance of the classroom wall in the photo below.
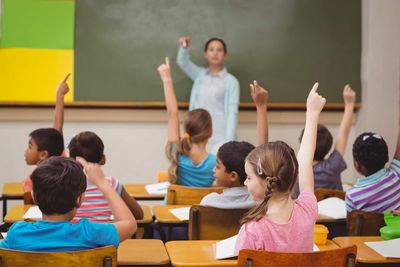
[135,139]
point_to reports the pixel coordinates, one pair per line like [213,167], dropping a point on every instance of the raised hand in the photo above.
[63,87]
[349,96]
[165,71]
[259,94]
[184,41]
[315,102]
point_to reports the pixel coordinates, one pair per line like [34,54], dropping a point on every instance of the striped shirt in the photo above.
[94,206]
[379,192]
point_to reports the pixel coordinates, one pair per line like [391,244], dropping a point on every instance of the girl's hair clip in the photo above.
[376,136]
[259,167]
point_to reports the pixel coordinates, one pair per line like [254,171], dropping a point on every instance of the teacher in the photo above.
[214,89]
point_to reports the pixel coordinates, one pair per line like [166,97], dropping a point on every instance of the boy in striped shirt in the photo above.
[379,190]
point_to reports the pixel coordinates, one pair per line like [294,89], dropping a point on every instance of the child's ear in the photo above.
[79,200]
[103,160]
[234,177]
[44,154]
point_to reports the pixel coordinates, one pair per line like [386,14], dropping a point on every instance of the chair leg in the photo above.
[107,261]
[351,260]
[248,262]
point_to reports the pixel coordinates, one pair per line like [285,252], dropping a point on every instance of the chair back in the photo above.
[363,223]
[208,223]
[185,195]
[28,199]
[342,257]
[104,256]
[322,193]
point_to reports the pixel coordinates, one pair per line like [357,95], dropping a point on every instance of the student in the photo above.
[46,142]
[379,190]
[280,223]
[191,165]
[58,188]
[89,146]
[229,171]
[327,171]
[214,89]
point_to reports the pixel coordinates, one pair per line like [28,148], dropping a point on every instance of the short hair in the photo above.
[371,151]
[216,39]
[233,154]
[57,184]
[48,139]
[87,145]
[324,142]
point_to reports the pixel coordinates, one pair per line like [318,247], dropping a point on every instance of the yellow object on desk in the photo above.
[320,234]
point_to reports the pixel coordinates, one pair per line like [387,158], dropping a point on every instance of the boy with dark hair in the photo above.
[229,171]
[327,171]
[47,142]
[89,146]
[58,189]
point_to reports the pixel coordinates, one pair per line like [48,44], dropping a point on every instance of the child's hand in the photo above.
[184,41]
[315,102]
[259,94]
[165,71]
[63,87]
[93,171]
[349,96]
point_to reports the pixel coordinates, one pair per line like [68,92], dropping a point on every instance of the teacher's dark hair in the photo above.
[215,39]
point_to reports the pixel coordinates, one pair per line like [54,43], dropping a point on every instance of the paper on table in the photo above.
[159,188]
[315,248]
[388,248]
[4,234]
[181,213]
[226,248]
[33,213]
[332,207]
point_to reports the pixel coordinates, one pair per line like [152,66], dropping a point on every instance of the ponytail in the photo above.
[183,147]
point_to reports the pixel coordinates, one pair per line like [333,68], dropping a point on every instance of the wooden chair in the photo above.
[185,195]
[104,256]
[342,257]
[28,199]
[322,193]
[362,223]
[208,223]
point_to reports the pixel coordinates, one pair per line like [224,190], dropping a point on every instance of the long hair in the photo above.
[198,128]
[276,163]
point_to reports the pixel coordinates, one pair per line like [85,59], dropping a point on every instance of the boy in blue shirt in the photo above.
[58,189]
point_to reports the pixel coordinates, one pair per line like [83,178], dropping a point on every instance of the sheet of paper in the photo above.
[4,234]
[315,248]
[226,248]
[332,207]
[387,248]
[33,213]
[181,213]
[159,188]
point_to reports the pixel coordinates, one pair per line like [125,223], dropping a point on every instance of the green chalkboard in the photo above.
[285,44]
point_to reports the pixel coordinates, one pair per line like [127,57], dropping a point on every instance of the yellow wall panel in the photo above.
[32,75]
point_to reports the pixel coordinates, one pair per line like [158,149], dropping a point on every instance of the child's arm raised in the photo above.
[183,59]
[260,98]
[315,103]
[124,221]
[349,97]
[62,90]
[170,101]
[132,204]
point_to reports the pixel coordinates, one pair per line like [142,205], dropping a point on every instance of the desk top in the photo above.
[139,192]
[18,211]
[365,254]
[326,219]
[142,252]
[202,253]
[163,215]
[13,190]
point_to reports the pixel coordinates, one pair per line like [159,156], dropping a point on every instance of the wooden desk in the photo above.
[326,219]
[17,212]
[11,191]
[365,254]
[164,216]
[141,252]
[202,253]
[139,192]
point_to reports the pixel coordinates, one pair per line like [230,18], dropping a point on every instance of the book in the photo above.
[332,207]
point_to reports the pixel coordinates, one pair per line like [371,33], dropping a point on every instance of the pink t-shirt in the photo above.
[297,235]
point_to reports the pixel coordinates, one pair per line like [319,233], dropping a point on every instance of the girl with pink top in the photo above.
[280,223]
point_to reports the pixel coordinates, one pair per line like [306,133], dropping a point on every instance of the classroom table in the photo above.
[142,252]
[202,253]
[139,192]
[18,211]
[365,254]
[165,218]
[11,191]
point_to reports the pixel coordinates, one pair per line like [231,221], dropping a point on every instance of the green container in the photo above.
[392,228]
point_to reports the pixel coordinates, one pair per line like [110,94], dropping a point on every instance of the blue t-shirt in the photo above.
[45,236]
[200,175]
